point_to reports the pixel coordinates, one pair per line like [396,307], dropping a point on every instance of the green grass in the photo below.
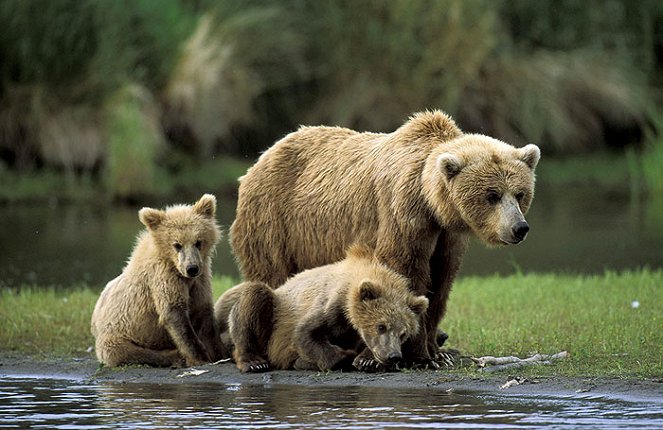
[591,317]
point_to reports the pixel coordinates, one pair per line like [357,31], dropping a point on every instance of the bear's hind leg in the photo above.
[120,352]
[251,322]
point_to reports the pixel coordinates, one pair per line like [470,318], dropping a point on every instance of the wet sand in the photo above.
[88,370]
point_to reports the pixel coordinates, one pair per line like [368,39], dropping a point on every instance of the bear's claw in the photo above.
[253,366]
[369,365]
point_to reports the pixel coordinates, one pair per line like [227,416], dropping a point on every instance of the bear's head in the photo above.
[487,185]
[185,235]
[385,316]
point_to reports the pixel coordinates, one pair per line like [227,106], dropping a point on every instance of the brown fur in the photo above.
[322,317]
[159,311]
[413,196]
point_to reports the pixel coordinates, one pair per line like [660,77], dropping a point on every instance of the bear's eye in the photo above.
[177,246]
[493,197]
[520,196]
[381,328]
[198,244]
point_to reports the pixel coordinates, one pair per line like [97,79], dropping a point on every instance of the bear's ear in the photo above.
[418,304]
[449,164]
[368,291]
[206,206]
[152,218]
[530,155]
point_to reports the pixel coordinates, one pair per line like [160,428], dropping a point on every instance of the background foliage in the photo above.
[205,77]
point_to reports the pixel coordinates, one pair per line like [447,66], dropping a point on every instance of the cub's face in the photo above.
[386,320]
[185,235]
[491,185]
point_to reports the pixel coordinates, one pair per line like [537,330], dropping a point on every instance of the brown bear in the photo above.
[159,311]
[414,196]
[356,311]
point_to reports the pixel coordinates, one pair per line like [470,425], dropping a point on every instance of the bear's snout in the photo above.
[394,357]
[520,230]
[192,270]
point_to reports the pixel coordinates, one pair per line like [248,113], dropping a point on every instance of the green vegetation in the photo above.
[96,88]
[592,317]
[184,178]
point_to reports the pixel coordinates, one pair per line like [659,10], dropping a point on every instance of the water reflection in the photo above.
[63,404]
[577,229]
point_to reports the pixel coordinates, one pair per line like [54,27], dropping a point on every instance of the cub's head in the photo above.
[385,316]
[185,235]
[490,186]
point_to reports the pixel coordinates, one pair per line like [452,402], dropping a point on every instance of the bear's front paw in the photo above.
[253,364]
[301,364]
[191,362]
[369,365]
[447,358]
[422,363]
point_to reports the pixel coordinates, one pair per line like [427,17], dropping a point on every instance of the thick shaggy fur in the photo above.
[159,311]
[413,196]
[322,318]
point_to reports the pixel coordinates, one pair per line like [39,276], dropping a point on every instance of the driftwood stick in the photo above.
[492,364]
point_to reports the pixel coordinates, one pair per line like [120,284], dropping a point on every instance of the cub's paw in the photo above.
[447,358]
[301,364]
[191,362]
[253,364]
[370,365]
[423,363]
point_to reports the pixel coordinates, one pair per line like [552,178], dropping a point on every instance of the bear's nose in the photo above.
[520,230]
[192,270]
[394,357]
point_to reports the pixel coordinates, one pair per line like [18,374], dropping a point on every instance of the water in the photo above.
[64,404]
[574,229]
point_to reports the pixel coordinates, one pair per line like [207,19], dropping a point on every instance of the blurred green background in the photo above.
[120,96]
[110,105]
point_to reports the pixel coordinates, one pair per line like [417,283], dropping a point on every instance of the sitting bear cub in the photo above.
[356,311]
[159,311]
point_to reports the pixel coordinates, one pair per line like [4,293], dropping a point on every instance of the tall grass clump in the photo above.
[376,62]
[62,61]
[566,102]
[134,142]
[652,157]
[236,53]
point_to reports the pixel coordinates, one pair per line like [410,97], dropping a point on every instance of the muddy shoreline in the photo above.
[87,370]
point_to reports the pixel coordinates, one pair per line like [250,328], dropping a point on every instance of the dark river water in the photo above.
[64,404]
[574,229]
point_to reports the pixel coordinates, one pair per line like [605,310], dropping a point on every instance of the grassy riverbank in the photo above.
[592,317]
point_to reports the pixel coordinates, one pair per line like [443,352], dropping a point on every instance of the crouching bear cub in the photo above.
[159,311]
[354,312]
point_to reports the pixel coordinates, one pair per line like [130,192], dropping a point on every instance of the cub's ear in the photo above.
[152,218]
[449,164]
[206,206]
[530,155]
[368,291]
[418,304]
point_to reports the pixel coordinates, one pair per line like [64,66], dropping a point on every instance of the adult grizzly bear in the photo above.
[159,311]
[413,196]
[356,311]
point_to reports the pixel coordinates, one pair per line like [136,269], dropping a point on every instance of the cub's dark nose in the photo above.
[520,230]
[192,270]
[394,357]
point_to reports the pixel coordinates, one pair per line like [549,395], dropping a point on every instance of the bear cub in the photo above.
[356,312]
[159,311]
